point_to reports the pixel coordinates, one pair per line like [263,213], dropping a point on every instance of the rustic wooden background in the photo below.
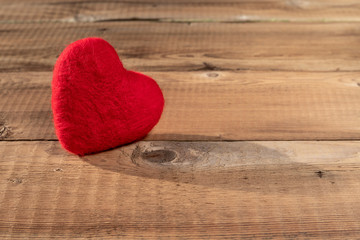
[283,75]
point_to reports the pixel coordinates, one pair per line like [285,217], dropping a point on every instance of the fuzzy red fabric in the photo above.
[97,104]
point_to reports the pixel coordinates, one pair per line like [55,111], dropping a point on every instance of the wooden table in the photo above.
[258,139]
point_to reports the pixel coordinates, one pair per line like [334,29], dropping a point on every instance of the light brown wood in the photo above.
[25,11]
[198,190]
[149,46]
[229,70]
[213,105]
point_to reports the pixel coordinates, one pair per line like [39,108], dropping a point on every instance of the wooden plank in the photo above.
[213,105]
[179,10]
[149,46]
[177,190]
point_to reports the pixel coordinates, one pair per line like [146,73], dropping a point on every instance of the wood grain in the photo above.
[29,11]
[214,105]
[197,190]
[149,46]
[230,70]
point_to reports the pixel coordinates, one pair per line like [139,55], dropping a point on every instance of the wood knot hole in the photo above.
[159,156]
[212,75]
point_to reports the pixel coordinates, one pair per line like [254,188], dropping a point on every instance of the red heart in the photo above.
[97,104]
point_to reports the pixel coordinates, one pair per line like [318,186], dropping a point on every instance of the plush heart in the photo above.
[97,104]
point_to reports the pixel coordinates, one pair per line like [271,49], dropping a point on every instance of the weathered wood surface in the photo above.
[213,105]
[179,10]
[229,70]
[149,46]
[192,190]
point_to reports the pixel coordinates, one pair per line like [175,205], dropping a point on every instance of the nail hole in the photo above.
[320,173]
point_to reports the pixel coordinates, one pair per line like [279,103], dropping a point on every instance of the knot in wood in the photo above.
[159,156]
